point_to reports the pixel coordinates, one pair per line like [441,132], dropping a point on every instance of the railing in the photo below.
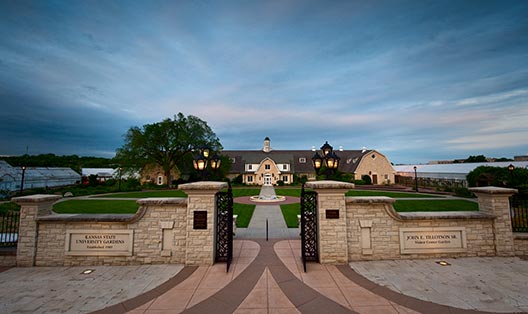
[519,213]
[9,228]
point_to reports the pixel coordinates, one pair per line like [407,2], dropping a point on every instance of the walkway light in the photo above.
[215,162]
[510,168]
[22,181]
[415,179]
[201,161]
[326,149]
[317,162]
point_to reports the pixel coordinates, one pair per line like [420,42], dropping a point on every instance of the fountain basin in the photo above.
[267,198]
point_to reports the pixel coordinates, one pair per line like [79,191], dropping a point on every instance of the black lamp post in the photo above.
[415,179]
[203,159]
[510,168]
[328,158]
[22,182]
[120,174]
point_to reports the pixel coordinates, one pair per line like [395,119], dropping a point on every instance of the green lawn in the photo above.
[244,212]
[96,207]
[288,192]
[434,205]
[388,194]
[290,212]
[245,192]
[146,194]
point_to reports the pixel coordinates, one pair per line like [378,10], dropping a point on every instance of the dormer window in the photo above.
[250,167]
[302,160]
[267,167]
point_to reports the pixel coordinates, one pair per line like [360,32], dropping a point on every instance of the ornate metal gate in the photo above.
[224,227]
[309,247]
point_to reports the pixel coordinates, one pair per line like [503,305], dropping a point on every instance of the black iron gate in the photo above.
[309,247]
[224,227]
[519,213]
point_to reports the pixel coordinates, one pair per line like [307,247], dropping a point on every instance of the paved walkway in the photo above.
[265,277]
[270,213]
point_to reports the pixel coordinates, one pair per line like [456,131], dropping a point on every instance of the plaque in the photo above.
[433,240]
[332,214]
[200,219]
[99,242]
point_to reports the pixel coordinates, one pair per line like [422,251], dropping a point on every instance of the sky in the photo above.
[415,80]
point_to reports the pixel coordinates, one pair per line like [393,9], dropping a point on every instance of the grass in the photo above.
[388,194]
[9,206]
[434,205]
[290,212]
[288,192]
[96,207]
[244,212]
[245,192]
[146,194]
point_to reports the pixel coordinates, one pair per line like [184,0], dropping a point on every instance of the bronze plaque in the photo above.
[200,219]
[332,214]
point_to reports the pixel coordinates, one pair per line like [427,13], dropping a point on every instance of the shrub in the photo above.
[463,192]
[359,182]
[280,183]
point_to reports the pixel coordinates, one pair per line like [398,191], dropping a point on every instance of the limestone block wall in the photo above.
[520,243]
[374,230]
[158,221]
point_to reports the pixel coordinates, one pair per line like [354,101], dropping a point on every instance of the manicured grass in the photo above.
[288,192]
[96,207]
[290,212]
[146,194]
[9,206]
[245,192]
[244,212]
[434,205]
[388,194]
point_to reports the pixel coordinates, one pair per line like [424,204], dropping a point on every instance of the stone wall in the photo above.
[161,232]
[368,228]
[520,243]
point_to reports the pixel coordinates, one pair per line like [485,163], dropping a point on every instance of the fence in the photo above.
[519,213]
[9,228]
[431,182]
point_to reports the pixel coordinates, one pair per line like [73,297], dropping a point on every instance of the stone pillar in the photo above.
[201,233]
[332,223]
[495,201]
[32,207]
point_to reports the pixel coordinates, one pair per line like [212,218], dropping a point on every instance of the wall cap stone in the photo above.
[493,190]
[88,217]
[520,236]
[203,186]
[36,198]
[162,201]
[329,184]
[445,215]
[370,199]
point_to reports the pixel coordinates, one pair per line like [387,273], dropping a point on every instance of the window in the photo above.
[373,156]
[250,167]
[233,159]
[386,177]
[284,167]
[160,180]
[250,178]
[302,160]
[284,178]
[267,167]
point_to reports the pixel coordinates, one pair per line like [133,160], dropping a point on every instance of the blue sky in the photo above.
[416,80]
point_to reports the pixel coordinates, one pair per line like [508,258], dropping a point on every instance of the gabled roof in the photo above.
[349,159]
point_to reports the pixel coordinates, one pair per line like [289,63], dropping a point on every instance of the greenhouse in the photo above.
[35,177]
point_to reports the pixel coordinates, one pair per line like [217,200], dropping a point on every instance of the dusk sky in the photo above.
[416,80]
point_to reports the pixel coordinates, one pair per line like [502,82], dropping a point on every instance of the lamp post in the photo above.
[327,158]
[415,179]
[22,181]
[120,174]
[203,159]
[510,168]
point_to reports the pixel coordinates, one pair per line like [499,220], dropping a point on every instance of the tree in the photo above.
[479,158]
[166,143]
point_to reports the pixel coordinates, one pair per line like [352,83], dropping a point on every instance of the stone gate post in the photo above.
[332,224]
[31,207]
[495,201]
[201,223]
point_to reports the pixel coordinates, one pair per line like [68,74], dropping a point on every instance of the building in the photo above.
[268,166]
[455,173]
[35,177]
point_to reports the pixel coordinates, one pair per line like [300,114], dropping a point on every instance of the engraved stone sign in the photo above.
[432,240]
[200,219]
[332,214]
[99,242]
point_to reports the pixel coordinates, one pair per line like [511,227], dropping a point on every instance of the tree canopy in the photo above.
[166,143]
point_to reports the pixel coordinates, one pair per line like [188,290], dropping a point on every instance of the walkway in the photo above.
[271,213]
[265,277]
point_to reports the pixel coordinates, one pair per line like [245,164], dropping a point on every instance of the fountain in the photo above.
[267,198]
